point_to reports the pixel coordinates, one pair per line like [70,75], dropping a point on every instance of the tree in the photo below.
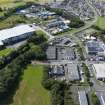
[76,23]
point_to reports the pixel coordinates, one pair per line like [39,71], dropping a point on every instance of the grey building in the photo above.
[72,72]
[92,47]
[83,98]
[65,53]
[16,34]
[51,53]
[57,70]
[101,97]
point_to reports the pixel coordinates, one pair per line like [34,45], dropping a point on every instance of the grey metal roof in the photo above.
[65,53]
[16,31]
[101,97]
[82,98]
[72,71]
[92,46]
[57,70]
[51,52]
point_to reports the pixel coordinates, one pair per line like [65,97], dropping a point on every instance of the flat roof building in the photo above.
[99,70]
[57,70]
[101,97]
[92,47]
[51,53]
[7,36]
[95,48]
[72,72]
[60,53]
[65,53]
[82,98]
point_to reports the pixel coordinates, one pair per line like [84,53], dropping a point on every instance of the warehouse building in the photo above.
[92,47]
[57,70]
[99,70]
[95,48]
[72,72]
[51,53]
[60,53]
[101,97]
[83,98]
[66,53]
[16,34]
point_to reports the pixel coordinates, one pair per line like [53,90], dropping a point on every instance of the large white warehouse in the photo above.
[15,34]
[99,70]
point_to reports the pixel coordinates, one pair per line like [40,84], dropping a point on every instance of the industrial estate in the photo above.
[52,53]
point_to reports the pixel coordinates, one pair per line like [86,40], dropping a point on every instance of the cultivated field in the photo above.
[30,91]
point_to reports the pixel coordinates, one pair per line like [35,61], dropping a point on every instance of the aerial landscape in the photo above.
[52,52]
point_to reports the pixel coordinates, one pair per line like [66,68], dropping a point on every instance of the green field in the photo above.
[5,52]
[101,22]
[30,91]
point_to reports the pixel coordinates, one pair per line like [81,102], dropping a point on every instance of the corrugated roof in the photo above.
[15,31]
[99,70]
[82,98]
[73,73]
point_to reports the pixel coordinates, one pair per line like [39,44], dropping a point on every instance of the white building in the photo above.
[99,70]
[15,34]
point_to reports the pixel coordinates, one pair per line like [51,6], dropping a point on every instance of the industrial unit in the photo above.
[16,34]
[72,72]
[60,53]
[101,97]
[92,47]
[51,53]
[57,70]
[83,98]
[95,48]
[99,70]
[65,53]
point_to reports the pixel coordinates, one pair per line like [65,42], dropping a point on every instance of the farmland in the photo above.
[30,91]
